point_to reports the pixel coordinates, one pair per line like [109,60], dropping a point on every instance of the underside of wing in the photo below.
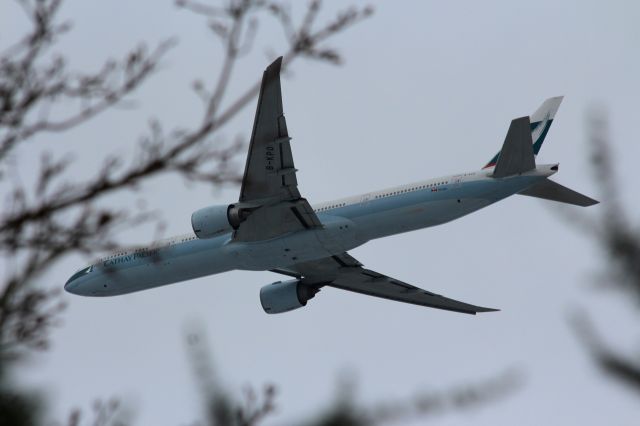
[346,273]
[372,283]
[269,170]
[270,203]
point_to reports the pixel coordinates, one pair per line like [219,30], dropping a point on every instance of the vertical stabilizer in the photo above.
[540,123]
[516,155]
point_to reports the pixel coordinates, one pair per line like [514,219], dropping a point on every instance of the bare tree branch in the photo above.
[56,215]
[39,225]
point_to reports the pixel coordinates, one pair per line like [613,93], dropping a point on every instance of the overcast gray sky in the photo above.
[428,89]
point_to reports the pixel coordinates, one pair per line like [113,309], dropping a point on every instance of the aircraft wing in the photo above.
[269,194]
[347,273]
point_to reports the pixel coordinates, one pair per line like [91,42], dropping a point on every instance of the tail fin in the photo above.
[549,190]
[516,155]
[540,123]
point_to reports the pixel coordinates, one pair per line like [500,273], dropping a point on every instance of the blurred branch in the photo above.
[33,82]
[613,364]
[104,413]
[612,230]
[345,412]
[221,408]
[619,239]
[18,408]
[42,89]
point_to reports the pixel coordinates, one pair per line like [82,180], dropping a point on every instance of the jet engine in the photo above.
[283,296]
[214,221]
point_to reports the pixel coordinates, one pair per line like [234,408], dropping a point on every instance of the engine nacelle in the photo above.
[211,221]
[283,296]
[214,221]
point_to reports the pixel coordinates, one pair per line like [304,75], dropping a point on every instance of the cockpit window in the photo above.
[81,272]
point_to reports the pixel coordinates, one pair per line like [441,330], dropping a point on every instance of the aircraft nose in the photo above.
[71,286]
[77,282]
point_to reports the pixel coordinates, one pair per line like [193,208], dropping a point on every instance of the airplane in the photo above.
[272,227]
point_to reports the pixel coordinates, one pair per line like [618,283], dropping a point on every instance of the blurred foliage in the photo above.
[617,235]
[17,407]
[222,407]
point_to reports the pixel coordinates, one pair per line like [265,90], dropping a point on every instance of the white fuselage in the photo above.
[347,223]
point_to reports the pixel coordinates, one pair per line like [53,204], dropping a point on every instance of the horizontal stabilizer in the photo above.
[516,155]
[549,190]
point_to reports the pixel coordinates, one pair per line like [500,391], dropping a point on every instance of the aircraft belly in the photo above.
[418,216]
[170,265]
[263,255]
[337,236]
[389,217]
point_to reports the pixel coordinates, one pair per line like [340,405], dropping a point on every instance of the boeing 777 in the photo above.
[272,227]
